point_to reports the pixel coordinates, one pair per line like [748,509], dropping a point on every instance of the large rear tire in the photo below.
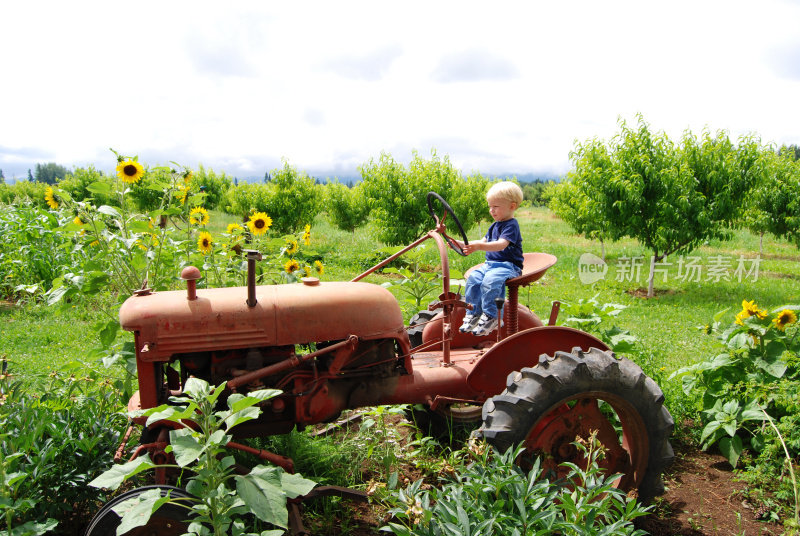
[417,325]
[570,394]
[169,520]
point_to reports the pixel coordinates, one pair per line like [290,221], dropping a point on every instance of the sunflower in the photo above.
[291,247]
[78,221]
[784,318]
[50,197]
[749,308]
[130,171]
[307,235]
[234,228]
[319,267]
[187,177]
[259,223]
[198,216]
[307,270]
[291,266]
[204,242]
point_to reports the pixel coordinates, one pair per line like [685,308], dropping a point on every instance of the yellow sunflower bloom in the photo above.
[187,177]
[50,197]
[319,267]
[291,266]
[259,223]
[198,216]
[749,308]
[291,247]
[784,318]
[307,236]
[130,171]
[78,221]
[205,242]
[234,228]
[307,270]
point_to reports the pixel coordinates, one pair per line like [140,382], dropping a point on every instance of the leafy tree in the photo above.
[534,192]
[792,150]
[2,177]
[398,196]
[773,205]
[30,176]
[347,207]
[670,198]
[212,184]
[50,173]
[291,199]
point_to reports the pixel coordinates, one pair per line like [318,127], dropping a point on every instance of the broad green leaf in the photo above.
[100,187]
[709,429]
[731,448]
[136,511]
[264,499]
[117,474]
[108,211]
[247,414]
[185,447]
[294,485]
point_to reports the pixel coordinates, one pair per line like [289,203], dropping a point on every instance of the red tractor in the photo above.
[540,385]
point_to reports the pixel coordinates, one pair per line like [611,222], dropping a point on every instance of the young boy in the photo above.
[503,247]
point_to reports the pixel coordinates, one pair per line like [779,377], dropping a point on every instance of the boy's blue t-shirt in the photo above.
[509,230]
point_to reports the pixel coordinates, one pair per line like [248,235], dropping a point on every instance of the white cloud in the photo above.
[328,86]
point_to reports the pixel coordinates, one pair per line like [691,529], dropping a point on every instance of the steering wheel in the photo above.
[447,211]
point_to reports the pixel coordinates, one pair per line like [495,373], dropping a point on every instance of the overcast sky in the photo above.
[496,86]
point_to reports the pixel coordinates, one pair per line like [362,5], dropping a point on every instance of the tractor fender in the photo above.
[523,350]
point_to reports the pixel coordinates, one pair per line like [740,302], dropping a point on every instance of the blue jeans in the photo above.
[486,283]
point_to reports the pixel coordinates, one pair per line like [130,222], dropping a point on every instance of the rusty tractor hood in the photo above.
[168,323]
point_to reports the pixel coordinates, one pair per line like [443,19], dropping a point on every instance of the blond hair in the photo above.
[510,191]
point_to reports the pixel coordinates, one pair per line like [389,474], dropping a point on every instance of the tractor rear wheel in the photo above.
[570,395]
[169,520]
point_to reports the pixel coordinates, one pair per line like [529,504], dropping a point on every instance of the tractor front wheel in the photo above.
[572,394]
[169,520]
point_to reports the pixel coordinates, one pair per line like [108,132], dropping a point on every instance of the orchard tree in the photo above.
[671,198]
[397,196]
[347,207]
[773,205]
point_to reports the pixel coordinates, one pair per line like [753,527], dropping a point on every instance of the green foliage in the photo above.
[55,433]
[347,207]
[670,198]
[220,498]
[415,284]
[758,369]
[33,252]
[212,184]
[488,493]
[398,196]
[290,198]
[534,192]
[50,173]
[588,315]
[773,204]
[23,192]
[77,183]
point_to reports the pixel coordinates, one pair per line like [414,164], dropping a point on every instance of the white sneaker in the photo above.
[485,326]
[470,321]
